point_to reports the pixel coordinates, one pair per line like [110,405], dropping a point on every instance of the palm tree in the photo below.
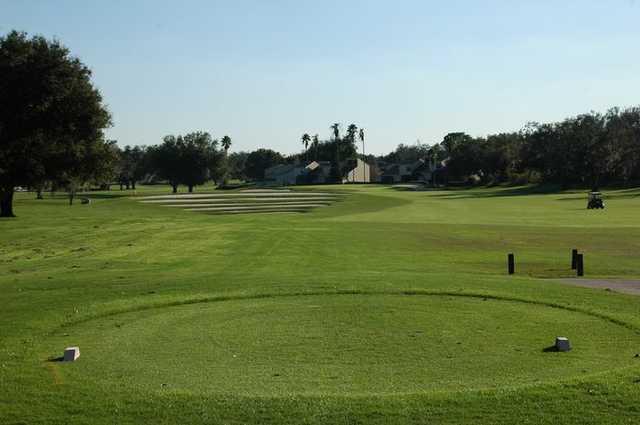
[336,136]
[226,144]
[316,142]
[336,131]
[364,158]
[305,141]
[351,133]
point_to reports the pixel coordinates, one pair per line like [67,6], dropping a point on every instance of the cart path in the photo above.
[619,285]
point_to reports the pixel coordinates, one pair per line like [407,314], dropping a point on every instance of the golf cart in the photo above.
[595,201]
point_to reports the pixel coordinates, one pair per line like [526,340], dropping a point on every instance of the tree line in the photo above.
[589,150]
[190,160]
[196,158]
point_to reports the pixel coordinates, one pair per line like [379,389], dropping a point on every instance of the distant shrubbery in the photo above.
[588,150]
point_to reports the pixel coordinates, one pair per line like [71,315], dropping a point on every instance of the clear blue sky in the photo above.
[265,72]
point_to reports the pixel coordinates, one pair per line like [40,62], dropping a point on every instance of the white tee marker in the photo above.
[563,344]
[71,354]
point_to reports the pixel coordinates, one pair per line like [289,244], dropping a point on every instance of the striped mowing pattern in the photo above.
[250,201]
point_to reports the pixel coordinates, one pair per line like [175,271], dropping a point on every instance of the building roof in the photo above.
[318,165]
[312,166]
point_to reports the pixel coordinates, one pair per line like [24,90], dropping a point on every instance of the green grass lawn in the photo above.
[388,306]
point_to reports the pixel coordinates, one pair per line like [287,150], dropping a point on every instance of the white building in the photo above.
[361,173]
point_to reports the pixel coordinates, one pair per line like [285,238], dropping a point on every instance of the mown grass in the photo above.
[93,273]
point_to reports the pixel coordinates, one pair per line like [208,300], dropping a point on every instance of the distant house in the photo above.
[317,172]
[360,173]
[283,174]
[392,173]
[424,172]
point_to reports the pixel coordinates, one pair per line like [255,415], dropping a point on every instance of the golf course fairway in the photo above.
[387,306]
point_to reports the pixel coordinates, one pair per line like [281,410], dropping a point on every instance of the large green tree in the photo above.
[236,162]
[190,160]
[258,161]
[165,160]
[51,116]
[95,165]
[200,159]
[407,153]
[132,166]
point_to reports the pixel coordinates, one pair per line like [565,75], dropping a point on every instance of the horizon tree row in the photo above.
[588,150]
[592,149]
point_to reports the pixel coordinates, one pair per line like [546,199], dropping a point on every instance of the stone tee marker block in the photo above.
[563,344]
[71,354]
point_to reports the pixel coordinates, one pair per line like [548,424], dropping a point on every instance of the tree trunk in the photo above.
[190,188]
[72,194]
[338,161]
[133,184]
[121,187]
[39,193]
[127,185]
[175,188]
[6,202]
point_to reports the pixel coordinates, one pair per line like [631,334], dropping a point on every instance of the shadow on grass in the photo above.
[498,191]
[55,359]
[102,195]
[480,192]
[90,195]
[411,187]
[619,194]
[552,349]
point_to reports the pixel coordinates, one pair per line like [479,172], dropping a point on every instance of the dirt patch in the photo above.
[625,286]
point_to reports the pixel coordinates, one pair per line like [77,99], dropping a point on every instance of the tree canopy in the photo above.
[132,166]
[591,149]
[51,117]
[258,161]
[190,160]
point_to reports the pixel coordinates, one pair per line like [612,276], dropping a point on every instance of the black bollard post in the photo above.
[574,259]
[511,264]
[580,264]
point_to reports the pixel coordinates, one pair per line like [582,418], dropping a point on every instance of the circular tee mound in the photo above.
[341,345]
